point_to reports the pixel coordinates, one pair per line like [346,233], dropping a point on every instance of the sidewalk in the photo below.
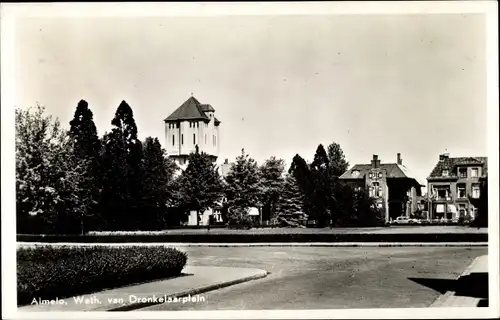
[471,289]
[197,280]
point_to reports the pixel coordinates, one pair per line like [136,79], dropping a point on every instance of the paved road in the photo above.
[328,278]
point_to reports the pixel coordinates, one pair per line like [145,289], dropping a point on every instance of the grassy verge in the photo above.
[46,272]
[253,236]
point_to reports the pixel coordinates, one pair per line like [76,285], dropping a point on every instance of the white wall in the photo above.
[185,132]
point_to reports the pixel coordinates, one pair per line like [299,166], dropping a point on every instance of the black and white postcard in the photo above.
[250,160]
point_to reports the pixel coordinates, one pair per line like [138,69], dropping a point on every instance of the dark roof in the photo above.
[189,110]
[207,108]
[216,121]
[393,170]
[451,165]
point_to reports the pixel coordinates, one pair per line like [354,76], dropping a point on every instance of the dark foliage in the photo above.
[200,185]
[122,175]
[481,220]
[49,272]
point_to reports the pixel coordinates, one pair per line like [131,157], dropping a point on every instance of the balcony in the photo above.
[436,197]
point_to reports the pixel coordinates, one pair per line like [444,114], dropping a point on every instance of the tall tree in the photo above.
[290,206]
[84,133]
[48,177]
[272,180]
[337,161]
[158,171]
[200,185]
[243,188]
[323,192]
[301,172]
[122,171]
[86,147]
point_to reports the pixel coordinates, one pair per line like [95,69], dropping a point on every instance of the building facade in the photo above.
[393,187]
[190,125]
[451,183]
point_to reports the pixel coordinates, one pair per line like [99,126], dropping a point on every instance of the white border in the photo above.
[10,12]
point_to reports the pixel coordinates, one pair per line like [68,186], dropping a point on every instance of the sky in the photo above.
[280,85]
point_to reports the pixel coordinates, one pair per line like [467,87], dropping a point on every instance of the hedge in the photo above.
[49,272]
[235,237]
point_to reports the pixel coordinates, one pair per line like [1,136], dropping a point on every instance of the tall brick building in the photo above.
[452,182]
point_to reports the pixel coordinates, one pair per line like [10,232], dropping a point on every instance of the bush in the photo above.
[239,219]
[48,272]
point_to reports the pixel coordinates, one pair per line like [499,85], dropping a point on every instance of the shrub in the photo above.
[239,219]
[48,272]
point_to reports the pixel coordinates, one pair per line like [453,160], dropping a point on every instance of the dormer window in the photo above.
[355,173]
[445,173]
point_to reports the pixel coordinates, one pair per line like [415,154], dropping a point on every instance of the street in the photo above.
[330,278]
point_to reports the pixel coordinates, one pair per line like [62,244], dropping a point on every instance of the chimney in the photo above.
[444,156]
[400,161]
[375,161]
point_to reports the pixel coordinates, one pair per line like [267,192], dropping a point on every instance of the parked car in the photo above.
[405,220]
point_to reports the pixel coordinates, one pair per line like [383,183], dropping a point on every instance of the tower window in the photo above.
[194,138]
[173,139]
[205,139]
[182,138]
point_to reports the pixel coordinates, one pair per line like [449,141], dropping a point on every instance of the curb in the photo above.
[220,285]
[449,299]
[272,244]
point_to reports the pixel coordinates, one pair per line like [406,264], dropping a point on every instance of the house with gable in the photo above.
[393,187]
[452,182]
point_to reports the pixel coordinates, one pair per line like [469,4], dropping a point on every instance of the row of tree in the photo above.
[73,181]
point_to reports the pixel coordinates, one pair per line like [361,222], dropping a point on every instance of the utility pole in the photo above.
[260,215]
